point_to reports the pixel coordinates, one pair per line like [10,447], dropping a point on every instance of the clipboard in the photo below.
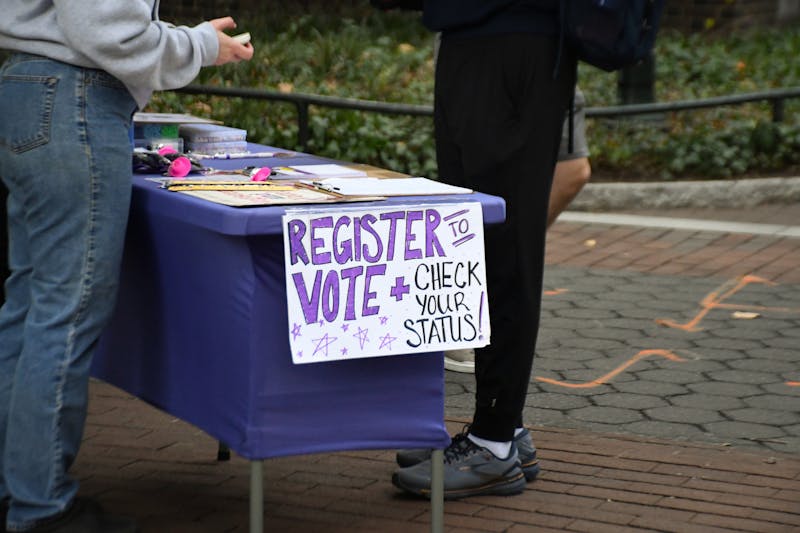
[245,193]
[222,185]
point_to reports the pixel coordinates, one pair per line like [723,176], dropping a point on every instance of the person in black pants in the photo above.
[504,80]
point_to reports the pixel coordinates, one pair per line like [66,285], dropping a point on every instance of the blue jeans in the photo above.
[65,157]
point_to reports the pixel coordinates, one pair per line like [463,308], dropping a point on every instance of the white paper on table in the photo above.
[390,186]
[330,170]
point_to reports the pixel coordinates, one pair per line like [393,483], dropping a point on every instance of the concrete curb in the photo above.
[689,224]
[715,193]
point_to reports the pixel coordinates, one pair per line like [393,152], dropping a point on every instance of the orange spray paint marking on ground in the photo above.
[555,292]
[714,300]
[793,383]
[607,377]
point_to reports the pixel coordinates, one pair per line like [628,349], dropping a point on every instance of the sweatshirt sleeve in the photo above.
[122,39]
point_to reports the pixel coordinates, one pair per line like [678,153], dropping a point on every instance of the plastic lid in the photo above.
[261,174]
[180,167]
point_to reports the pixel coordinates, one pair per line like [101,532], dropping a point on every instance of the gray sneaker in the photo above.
[469,470]
[523,442]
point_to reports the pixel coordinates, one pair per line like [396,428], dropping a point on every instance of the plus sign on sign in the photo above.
[372,282]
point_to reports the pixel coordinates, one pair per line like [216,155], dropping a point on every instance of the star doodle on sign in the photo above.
[344,351]
[321,322]
[345,327]
[323,343]
[400,288]
[387,340]
[362,336]
[295,331]
[384,320]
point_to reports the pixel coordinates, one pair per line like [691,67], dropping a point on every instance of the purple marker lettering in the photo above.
[309,303]
[330,296]
[366,224]
[319,258]
[357,239]
[372,270]
[342,249]
[297,252]
[392,217]
[412,253]
[351,275]
[432,220]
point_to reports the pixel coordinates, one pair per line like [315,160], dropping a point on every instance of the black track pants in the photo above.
[499,109]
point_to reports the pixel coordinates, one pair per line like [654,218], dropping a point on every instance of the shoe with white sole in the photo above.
[460,361]
[469,470]
[524,443]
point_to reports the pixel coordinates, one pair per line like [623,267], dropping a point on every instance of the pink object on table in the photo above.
[262,174]
[164,150]
[180,167]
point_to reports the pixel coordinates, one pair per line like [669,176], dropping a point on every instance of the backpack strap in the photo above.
[562,17]
[563,10]
[571,115]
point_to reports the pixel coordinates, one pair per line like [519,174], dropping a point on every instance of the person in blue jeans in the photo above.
[77,72]
[3,240]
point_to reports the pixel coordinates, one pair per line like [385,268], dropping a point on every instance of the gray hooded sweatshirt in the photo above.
[122,37]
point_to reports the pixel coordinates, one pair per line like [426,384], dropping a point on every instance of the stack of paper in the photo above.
[213,138]
[330,170]
[154,130]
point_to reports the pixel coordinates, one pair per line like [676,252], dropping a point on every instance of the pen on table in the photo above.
[234,155]
[324,186]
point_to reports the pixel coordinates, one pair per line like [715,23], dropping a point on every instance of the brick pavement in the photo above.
[662,428]
[675,252]
[142,462]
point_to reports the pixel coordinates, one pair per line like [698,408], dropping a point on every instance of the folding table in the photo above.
[200,331]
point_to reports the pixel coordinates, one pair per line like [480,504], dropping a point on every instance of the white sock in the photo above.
[499,449]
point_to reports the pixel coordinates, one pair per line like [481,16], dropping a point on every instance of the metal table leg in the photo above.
[223,452]
[437,491]
[437,494]
[256,496]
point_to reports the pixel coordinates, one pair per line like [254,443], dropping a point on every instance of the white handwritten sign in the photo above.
[385,281]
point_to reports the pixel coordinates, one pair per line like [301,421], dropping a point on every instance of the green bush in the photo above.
[388,57]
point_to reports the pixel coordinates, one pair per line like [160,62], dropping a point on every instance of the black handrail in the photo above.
[775,96]
[302,102]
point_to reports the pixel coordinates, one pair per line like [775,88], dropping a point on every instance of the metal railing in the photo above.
[302,102]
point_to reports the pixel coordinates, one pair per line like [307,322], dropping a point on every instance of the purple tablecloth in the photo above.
[200,331]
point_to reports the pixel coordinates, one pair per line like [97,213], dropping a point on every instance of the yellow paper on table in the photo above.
[220,185]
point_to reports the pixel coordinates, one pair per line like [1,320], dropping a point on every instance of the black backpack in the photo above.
[611,34]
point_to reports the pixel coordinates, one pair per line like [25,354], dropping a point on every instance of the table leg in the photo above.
[256,496]
[223,452]
[437,491]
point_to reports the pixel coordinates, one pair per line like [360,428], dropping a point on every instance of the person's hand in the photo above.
[230,50]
